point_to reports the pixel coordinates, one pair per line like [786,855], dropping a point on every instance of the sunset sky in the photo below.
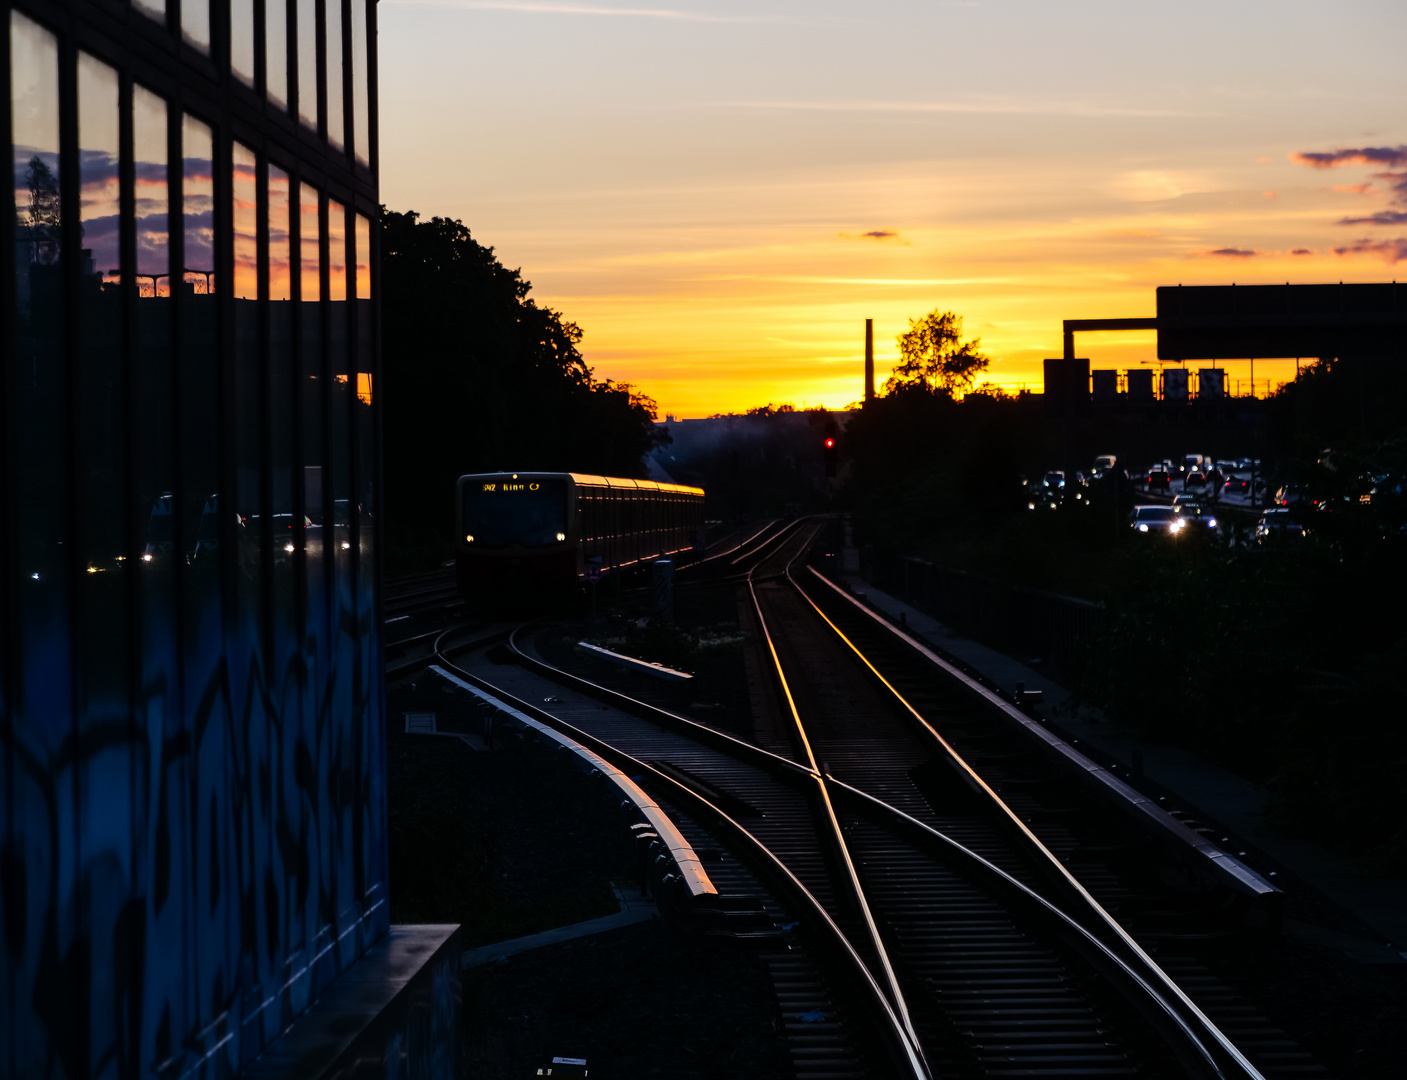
[720,193]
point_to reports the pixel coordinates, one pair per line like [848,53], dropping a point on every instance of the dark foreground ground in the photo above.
[513,841]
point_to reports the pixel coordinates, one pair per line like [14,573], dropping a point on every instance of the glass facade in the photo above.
[193,833]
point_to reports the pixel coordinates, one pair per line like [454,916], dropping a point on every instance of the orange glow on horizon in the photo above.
[782,320]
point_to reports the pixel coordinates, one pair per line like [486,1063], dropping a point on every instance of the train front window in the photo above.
[517,513]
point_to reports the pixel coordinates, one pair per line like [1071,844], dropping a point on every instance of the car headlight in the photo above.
[1030,506]
[1143,528]
[1176,526]
[1211,523]
[468,539]
[561,536]
[288,548]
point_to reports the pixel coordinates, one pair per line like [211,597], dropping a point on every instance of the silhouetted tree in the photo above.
[933,357]
[44,221]
[478,377]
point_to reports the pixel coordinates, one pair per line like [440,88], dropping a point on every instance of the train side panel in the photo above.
[511,551]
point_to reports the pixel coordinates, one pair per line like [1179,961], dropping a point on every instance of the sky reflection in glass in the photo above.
[276,51]
[98,160]
[199,205]
[242,40]
[195,24]
[308,63]
[336,125]
[151,194]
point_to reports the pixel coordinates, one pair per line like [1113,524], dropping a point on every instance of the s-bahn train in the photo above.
[529,537]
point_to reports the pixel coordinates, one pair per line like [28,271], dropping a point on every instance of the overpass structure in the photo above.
[1237,322]
[1234,322]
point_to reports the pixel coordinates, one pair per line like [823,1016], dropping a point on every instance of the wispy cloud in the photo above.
[1234,253]
[549,7]
[1011,106]
[1302,251]
[1382,217]
[1392,250]
[1394,157]
[1391,156]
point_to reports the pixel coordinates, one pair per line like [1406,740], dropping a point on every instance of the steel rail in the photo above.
[758,552]
[1234,872]
[897,1041]
[720,554]
[780,537]
[836,834]
[1149,1001]
[419,663]
[1154,1005]
[1048,858]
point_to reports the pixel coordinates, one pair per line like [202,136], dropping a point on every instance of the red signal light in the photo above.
[830,443]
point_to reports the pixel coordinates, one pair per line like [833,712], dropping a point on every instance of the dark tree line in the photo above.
[479,377]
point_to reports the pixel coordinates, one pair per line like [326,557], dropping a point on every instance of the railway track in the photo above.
[430,594]
[420,607]
[922,887]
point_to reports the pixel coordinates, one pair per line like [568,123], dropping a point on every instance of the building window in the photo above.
[361,127]
[312,408]
[276,51]
[242,40]
[41,414]
[198,192]
[332,58]
[195,24]
[308,62]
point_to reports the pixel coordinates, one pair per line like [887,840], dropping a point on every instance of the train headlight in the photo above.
[561,536]
[468,539]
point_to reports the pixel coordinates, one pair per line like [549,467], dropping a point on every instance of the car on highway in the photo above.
[1215,479]
[1198,514]
[1194,478]
[1277,526]
[1053,480]
[1158,520]
[1158,480]
[1237,485]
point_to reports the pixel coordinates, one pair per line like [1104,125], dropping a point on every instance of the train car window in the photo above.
[515,513]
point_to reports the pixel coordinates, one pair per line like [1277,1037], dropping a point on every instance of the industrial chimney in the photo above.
[869,360]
